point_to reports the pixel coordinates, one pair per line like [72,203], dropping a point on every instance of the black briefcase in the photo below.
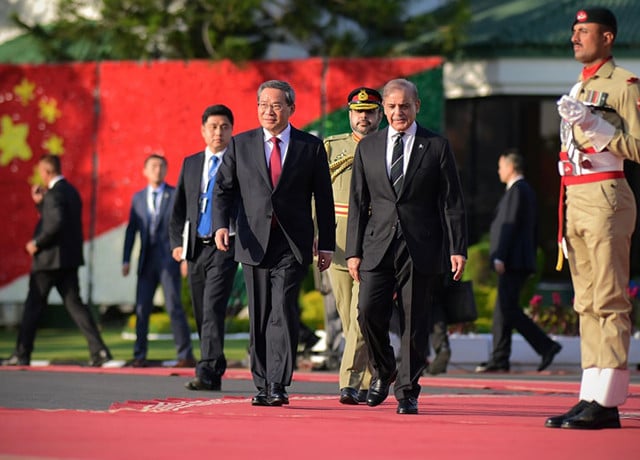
[459,302]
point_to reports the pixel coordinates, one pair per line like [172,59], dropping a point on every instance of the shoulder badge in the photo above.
[632,80]
[337,137]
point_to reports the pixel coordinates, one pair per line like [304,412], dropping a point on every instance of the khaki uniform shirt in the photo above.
[615,94]
[340,151]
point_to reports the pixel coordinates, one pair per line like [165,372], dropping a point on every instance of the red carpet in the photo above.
[502,425]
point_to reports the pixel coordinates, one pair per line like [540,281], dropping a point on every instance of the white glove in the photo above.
[572,110]
[597,129]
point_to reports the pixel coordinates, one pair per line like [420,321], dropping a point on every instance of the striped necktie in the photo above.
[397,164]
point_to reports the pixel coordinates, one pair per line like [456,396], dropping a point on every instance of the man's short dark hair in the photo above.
[53,161]
[515,159]
[158,157]
[218,109]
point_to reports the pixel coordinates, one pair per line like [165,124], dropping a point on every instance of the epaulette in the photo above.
[337,137]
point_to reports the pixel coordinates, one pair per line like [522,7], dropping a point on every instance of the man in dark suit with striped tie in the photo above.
[149,217]
[210,271]
[404,185]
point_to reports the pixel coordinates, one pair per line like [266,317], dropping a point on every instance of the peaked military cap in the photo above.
[363,98]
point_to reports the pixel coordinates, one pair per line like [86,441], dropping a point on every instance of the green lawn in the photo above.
[70,345]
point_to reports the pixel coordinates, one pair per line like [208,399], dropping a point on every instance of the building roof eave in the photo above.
[516,76]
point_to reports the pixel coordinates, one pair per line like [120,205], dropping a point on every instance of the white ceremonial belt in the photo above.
[583,164]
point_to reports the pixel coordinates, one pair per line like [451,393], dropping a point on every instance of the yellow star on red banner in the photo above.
[54,145]
[14,132]
[13,141]
[49,110]
[24,91]
[35,178]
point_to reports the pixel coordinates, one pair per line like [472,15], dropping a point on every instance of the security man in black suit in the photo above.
[210,272]
[513,256]
[56,248]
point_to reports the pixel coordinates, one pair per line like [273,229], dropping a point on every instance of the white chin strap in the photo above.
[607,387]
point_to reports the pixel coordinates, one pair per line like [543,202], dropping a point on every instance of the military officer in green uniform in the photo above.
[600,129]
[365,115]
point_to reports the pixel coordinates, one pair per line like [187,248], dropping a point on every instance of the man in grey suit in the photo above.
[512,254]
[149,216]
[404,186]
[56,249]
[210,272]
[277,172]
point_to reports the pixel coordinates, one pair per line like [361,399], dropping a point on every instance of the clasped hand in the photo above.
[572,110]
[598,130]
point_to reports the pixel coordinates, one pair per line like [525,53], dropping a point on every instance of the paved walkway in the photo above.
[113,413]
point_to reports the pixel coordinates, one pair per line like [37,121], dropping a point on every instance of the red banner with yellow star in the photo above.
[105,119]
[43,109]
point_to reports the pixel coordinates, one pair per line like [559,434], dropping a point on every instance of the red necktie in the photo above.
[275,162]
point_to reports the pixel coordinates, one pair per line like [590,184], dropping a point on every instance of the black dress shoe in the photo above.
[199,384]
[15,360]
[276,396]
[594,417]
[187,362]
[349,396]
[490,367]
[556,421]
[138,363]
[99,358]
[362,396]
[407,406]
[547,358]
[311,342]
[260,399]
[379,389]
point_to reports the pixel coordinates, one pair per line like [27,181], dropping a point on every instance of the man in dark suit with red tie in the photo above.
[277,171]
[210,272]
[404,186]
[56,249]
[149,216]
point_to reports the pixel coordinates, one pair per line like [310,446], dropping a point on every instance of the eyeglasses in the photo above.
[277,107]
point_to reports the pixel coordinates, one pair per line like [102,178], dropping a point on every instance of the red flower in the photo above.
[536,300]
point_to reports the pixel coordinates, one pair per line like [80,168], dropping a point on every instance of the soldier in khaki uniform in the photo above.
[600,129]
[365,115]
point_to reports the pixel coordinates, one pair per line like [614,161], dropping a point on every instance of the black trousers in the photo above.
[508,315]
[415,293]
[67,285]
[439,330]
[211,275]
[273,288]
